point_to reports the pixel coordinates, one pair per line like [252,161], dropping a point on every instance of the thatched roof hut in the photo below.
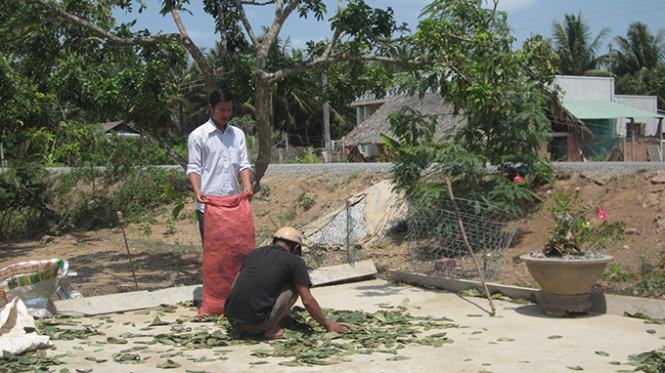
[369,131]
[563,121]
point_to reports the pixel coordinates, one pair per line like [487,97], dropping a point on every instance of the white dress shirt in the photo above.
[218,157]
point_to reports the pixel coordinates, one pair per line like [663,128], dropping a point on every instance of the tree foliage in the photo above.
[465,51]
[639,49]
[645,82]
[97,69]
[577,52]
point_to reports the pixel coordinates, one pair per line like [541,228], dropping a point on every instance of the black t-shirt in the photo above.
[265,273]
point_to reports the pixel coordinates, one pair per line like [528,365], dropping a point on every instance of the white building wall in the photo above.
[585,88]
[646,103]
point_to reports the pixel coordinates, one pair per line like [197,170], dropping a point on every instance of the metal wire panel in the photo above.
[436,244]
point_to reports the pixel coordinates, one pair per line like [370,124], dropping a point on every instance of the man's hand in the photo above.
[195,180]
[246,179]
[200,197]
[336,327]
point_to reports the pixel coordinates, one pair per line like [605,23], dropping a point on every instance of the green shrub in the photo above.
[306,200]
[423,164]
[651,277]
[24,201]
[33,203]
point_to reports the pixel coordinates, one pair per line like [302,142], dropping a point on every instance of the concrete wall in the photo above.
[646,103]
[585,88]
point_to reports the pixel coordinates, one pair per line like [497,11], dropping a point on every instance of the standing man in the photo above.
[268,285]
[217,158]
[217,155]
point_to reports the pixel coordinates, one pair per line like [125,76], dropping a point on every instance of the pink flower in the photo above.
[517,179]
[601,213]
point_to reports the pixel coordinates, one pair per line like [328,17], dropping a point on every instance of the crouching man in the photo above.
[268,285]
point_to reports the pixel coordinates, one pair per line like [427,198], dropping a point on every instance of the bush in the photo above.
[422,165]
[24,201]
[32,203]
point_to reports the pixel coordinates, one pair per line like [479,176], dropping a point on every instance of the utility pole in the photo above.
[326,124]
[3,162]
[660,138]
[610,59]
[181,114]
[632,139]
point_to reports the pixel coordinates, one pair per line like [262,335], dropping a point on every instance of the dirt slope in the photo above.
[170,255]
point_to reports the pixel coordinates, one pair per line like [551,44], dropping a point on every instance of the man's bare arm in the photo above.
[312,306]
[195,180]
[246,179]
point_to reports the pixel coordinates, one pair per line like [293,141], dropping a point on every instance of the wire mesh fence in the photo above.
[336,242]
[436,243]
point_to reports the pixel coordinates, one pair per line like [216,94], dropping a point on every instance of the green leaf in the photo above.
[117,341]
[177,209]
[291,363]
[602,353]
[168,364]
[398,358]
[576,367]
[158,322]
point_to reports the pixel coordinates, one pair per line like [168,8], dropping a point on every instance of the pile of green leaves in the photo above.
[308,344]
[29,362]
[52,328]
[649,362]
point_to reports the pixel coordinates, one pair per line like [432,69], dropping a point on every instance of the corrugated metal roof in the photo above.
[605,110]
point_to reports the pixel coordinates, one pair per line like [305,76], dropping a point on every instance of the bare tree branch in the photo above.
[181,38]
[496,4]
[280,17]
[288,71]
[336,33]
[245,22]
[259,3]
[107,35]
[196,53]
[222,29]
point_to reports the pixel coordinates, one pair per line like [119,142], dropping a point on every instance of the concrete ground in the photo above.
[519,339]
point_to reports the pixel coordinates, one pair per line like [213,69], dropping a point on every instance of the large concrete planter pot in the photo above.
[565,283]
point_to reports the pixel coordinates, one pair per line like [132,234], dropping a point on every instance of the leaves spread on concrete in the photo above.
[385,331]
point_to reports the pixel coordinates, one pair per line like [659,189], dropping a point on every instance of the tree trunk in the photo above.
[262,104]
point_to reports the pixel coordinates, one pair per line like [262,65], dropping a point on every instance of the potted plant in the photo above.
[572,260]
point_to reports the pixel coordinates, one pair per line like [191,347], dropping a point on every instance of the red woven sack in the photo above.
[228,235]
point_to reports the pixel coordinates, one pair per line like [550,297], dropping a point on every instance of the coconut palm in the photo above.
[572,41]
[639,49]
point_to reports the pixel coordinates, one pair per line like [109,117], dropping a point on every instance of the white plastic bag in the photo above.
[17,330]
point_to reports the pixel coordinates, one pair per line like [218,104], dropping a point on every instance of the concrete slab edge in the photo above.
[602,303]
[342,273]
[137,300]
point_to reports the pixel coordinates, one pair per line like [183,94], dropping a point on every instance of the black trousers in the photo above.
[200,216]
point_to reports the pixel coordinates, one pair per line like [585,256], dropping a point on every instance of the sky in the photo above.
[526,17]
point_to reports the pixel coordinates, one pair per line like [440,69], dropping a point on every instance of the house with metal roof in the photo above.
[589,122]
[621,126]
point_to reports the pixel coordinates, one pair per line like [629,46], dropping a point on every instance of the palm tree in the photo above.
[577,54]
[639,49]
